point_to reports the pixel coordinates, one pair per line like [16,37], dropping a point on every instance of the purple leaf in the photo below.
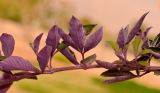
[27,75]
[93,40]
[0,53]
[7,44]
[136,28]
[66,38]
[115,73]
[119,78]
[89,60]
[16,63]
[122,37]
[106,65]
[69,55]
[77,33]
[36,43]
[125,32]
[43,56]
[53,37]
[145,44]
[156,55]
[145,33]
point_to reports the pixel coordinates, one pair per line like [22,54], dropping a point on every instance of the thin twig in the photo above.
[77,67]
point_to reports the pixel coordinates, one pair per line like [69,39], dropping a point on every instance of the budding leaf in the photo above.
[16,63]
[8,44]
[88,28]
[89,60]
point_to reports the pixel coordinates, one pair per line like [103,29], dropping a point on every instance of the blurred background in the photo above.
[25,19]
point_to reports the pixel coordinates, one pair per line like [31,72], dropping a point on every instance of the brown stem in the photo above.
[77,67]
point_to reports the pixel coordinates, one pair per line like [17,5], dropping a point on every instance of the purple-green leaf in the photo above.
[93,40]
[88,28]
[77,33]
[69,55]
[43,57]
[122,37]
[119,78]
[27,75]
[136,28]
[16,63]
[66,38]
[89,60]
[8,44]
[114,73]
[36,43]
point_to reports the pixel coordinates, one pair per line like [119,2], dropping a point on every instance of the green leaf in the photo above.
[88,28]
[114,45]
[156,40]
[89,60]
[2,58]
[113,73]
[71,52]
[61,46]
[157,72]
[155,49]
[144,63]
[31,45]
[145,51]
[136,44]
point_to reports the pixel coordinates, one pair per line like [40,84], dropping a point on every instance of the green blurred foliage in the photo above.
[61,59]
[125,87]
[14,9]
[43,13]
[77,82]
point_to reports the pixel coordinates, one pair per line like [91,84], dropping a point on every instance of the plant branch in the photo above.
[77,67]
